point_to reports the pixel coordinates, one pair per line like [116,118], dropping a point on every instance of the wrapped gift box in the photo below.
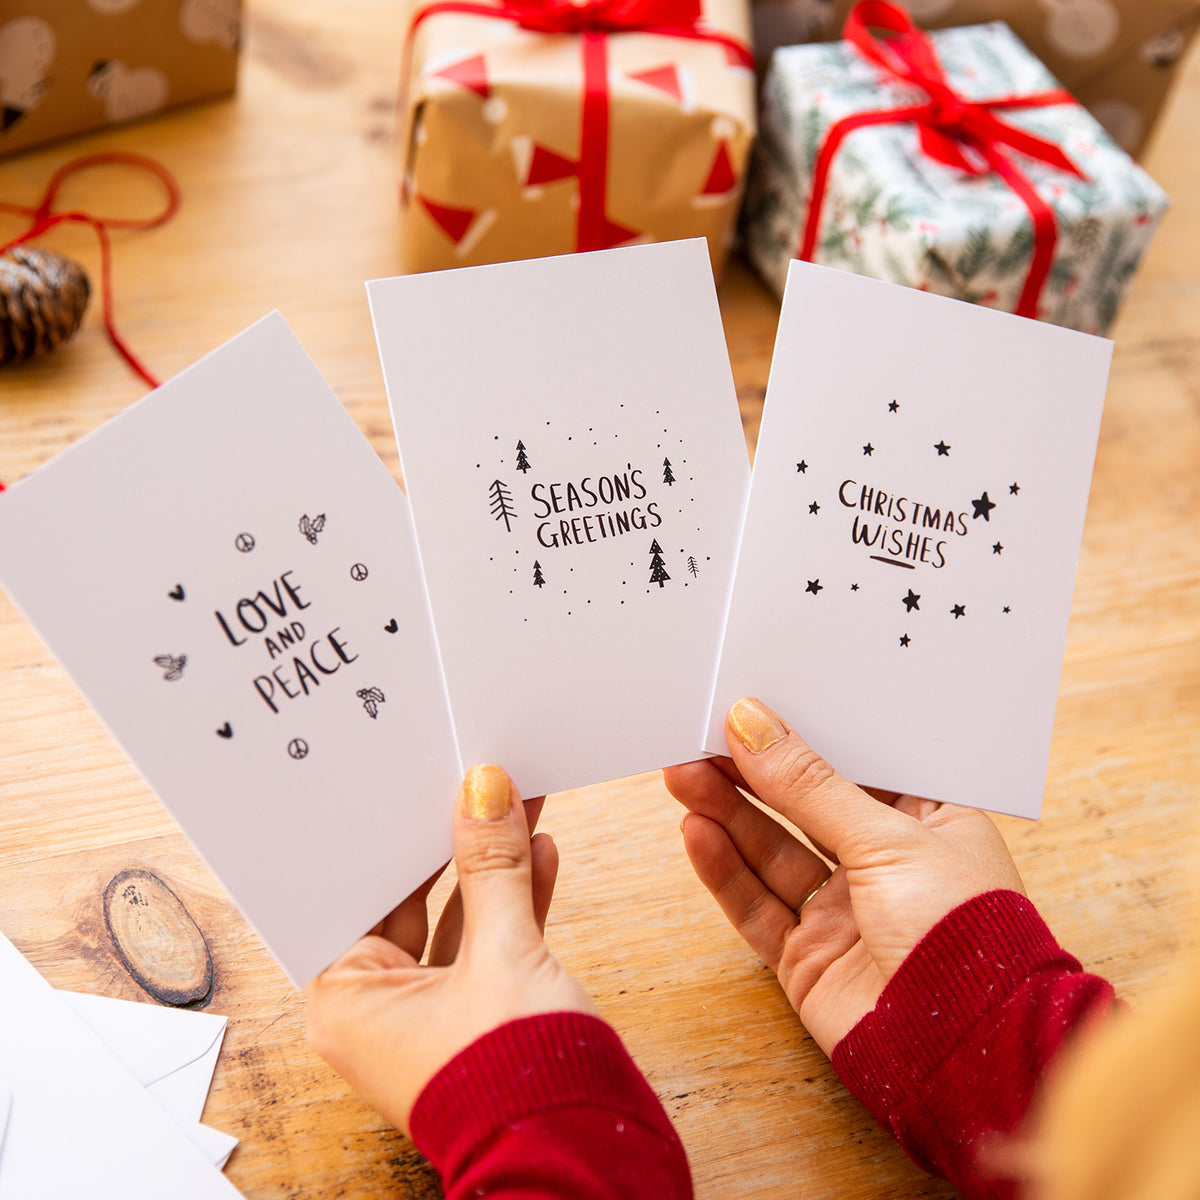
[1117,57]
[893,212]
[67,66]
[506,159]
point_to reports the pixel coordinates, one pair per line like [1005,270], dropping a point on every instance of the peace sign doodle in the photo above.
[358,572]
[298,748]
[244,542]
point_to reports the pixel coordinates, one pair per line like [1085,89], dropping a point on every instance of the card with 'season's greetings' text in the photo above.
[228,573]
[905,573]
[574,457]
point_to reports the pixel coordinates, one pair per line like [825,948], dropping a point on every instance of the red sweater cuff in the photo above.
[969,962]
[952,1056]
[528,1067]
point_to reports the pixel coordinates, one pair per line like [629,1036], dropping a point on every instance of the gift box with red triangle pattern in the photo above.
[521,144]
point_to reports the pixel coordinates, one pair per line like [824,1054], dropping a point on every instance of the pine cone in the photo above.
[42,301]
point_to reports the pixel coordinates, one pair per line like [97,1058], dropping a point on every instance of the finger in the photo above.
[407,925]
[880,794]
[495,874]
[752,909]
[545,873]
[786,866]
[794,780]
[729,769]
[370,953]
[447,935]
[827,931]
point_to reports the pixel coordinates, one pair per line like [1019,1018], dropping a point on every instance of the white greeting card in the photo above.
[227,571]
[574,458]
[905,573]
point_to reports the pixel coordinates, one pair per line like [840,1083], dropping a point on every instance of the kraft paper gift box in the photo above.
[1117,57]
[523,142]
[67,66]
[890,210]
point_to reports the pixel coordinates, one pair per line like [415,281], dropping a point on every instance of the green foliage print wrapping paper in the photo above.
[894,214]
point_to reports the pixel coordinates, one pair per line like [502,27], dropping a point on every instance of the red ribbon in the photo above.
[594,20]
[953,130]
[44,218]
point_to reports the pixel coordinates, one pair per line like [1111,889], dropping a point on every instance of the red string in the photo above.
[44,218]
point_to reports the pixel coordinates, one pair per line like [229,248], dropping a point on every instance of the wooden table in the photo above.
[289,202]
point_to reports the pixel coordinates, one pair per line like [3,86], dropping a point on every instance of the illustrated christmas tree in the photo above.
[522,459]
[668,478]
[692,566]
[658,572]
[538,579]
[502,504]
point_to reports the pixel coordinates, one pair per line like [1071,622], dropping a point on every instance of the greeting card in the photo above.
[904,578]
[574,458]
[227,571]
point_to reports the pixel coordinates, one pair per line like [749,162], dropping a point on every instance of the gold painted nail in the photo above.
[755,725]
[486,794]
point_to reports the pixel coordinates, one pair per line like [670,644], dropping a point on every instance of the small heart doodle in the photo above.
[392,626]
[226,730]
[176,593]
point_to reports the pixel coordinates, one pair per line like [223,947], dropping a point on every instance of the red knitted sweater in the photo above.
[948,1062]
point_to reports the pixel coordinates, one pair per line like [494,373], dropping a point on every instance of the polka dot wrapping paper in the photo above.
[1117,57]
[68,66]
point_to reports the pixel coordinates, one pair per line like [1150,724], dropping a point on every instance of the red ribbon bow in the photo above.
[605,16]
[953,130]
[594,20]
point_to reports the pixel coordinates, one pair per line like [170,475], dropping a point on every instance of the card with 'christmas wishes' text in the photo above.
[574,457]
[228,573]
[904,577]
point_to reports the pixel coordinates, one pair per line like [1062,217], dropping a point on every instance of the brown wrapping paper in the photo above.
[1116,56]
[492,128]
[67,66]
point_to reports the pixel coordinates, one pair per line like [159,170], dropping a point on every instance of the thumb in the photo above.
[790,777]
[495,872]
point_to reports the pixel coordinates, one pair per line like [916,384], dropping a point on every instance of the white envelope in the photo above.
[171,1052]
[80,1124]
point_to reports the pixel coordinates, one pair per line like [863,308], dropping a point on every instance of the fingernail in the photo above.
[486,794]
[755,725]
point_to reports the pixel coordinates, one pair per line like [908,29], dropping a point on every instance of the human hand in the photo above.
[388,1024]
[833,935]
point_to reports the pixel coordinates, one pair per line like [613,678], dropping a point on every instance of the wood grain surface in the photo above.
[290,203]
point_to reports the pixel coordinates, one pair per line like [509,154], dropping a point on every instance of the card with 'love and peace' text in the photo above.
[228,573]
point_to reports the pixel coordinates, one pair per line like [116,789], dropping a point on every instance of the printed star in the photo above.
[959,610]
[894,406]
[942,449]
[982,507]
[1007,609]
[911,601]
[905,639]
[997,548]
[854,587]
[802,466]
[814,508]
[868,449]
[1013,489]
[814,586]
